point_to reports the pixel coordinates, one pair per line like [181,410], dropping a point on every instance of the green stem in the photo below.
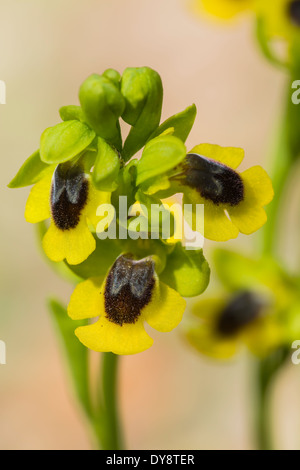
[263,435]
[285,155]
[266,372]
[280,173]
[107,424]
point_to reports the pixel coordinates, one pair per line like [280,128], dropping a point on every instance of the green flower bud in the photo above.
[102,105]
[71,112]
[143,93]
[113,76]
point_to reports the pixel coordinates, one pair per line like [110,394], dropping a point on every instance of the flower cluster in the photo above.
[83,164]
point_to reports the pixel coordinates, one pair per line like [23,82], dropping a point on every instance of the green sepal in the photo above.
[180,125]
[30,172]
[187,271]
[76,354]
[102,104]
[159,156]
[71,112]
[106,168]
[98,263]
[143,93]
[64,141]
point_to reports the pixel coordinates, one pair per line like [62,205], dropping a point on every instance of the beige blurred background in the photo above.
[171,398]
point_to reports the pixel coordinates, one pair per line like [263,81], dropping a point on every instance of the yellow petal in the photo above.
[217,225]
[95,199]
[74,245]
[207,309]
[105,336]
[166,308]
[87,300]
[206,342]
[229,156]
[247,218]
[258,185]
[263,336]
[38,202]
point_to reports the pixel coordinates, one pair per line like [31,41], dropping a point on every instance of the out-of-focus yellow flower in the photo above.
[227,324]
[260,311]
[281,18]
[130,295]
[225,9]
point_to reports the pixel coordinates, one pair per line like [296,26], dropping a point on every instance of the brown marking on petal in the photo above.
[69,194]
[242,310]
[214,181]
[128,289]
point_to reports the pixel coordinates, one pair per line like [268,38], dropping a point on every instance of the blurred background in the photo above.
[170,397]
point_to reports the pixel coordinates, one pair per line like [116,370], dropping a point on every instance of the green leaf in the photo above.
[75,353]
[181,124]
[106,168]
[30,172]
[65,141]
[143,93]
[187,271]
[159,156]
[71,112]
[98,263]
[102,104]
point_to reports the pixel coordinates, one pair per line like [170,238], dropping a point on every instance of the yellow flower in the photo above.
[65,194]
[281,18]
[225,9]
[130,295]
[227,324]
[233,202]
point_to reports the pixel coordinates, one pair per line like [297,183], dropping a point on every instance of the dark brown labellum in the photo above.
[242,310]
[69,195]
[294,12]
[128,289]
[213,180]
